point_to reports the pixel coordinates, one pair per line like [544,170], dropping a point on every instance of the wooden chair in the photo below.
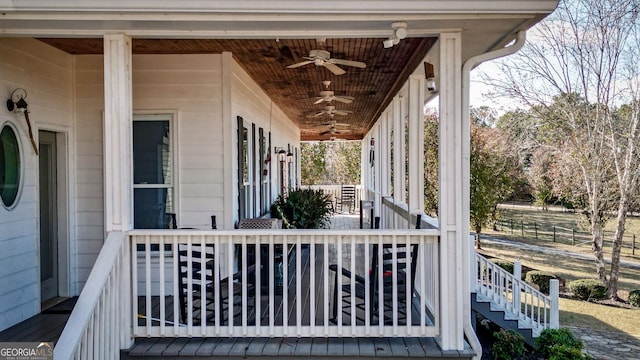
[347,197]
[404,277]
[191,267]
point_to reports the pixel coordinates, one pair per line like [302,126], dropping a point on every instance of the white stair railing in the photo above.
[100,324]
[516,296]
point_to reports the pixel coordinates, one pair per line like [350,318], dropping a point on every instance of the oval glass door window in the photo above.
[9,166]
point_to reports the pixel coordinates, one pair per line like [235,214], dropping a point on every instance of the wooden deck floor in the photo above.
[44,327]
[291,348]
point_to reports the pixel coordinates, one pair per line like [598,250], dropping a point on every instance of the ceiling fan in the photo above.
[323,58]
[331,110]
[333,131]
[329,96]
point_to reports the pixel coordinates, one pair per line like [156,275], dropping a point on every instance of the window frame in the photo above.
[172,182]
[21,167]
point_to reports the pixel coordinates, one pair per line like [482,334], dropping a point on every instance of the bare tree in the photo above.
[577,71]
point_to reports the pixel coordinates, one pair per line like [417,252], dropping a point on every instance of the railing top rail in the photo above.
[90,296]
[289,232]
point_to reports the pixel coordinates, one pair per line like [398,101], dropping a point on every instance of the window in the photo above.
[10,166]
[153,171]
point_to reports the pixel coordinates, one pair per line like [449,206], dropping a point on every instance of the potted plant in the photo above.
[302,209]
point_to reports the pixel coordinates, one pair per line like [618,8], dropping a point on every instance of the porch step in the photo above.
[503,317]
[290,348]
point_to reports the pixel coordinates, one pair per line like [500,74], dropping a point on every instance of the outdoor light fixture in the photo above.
[430,75]
[282,154]
[399,33]
[17,103]
[289,156]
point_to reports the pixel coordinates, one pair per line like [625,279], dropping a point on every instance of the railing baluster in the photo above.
[230,312]
[299,284]
[325,273]
[408,284]
[176,301]
[161,285]
[189,286]
[147,279]
[422,247]
[367,288]
[312,285]
[133,312]
[353,284]
[244,293]
[203,285]
[380,303]
[394,284]
[216,289]
[271,286]
[285,285]
[338,284]
[258,284]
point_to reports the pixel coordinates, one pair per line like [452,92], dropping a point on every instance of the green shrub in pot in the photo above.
[303,209]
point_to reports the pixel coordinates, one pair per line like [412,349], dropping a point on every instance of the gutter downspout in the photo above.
[471,63]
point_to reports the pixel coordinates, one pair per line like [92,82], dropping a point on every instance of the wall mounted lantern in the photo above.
[17,103]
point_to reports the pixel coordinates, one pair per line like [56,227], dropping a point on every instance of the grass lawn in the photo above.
[574,312]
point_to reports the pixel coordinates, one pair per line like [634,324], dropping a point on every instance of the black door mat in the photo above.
[64,307]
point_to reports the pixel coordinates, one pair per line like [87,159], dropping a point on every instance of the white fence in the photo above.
[99,325]
[508,290]
[259,306]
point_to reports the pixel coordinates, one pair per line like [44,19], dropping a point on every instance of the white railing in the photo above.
[260,308]
[336,192]
[99,325]
[516,296]
[396,215]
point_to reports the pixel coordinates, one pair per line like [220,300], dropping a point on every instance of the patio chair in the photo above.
[347,197]
[404,277]
[190,265]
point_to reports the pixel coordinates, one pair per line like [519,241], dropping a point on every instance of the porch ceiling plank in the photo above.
[294,90]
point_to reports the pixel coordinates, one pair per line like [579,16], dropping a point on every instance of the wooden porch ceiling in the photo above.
[295,90]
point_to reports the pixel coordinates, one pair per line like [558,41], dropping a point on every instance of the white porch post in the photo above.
[398,157]
[454,195]
[384,162]
[118,178]
[377,174]
[416,144]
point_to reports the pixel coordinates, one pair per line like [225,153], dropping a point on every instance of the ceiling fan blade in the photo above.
[299,64]
[344,99]
[342,112]
[333,68]
[358,64]
[319,100]
[324,132]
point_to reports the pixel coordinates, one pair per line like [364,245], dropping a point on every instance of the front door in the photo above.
[48,216]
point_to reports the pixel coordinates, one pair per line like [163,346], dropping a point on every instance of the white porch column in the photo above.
[454,195]
[377,169]
[383,163]
[398,156]
[118,178]
[416,143]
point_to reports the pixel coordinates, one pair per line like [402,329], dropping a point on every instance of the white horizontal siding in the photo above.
[46,75]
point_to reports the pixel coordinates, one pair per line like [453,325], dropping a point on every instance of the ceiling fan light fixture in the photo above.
[388,43]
